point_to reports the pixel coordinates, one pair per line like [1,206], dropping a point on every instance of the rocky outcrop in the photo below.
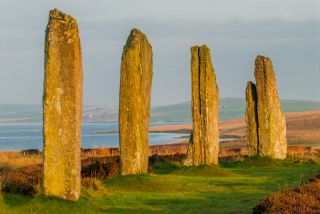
[204,144]
[134,108]
[252,118]
[271,120]
[62,107]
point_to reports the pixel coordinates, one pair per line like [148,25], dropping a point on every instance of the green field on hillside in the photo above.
[233,187]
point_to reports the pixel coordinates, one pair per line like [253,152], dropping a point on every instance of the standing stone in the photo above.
[204,143]
[252,118]
[271,120]
[62,107]
[135,96]
[189,160]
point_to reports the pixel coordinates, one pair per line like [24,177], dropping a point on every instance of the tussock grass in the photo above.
[93,188]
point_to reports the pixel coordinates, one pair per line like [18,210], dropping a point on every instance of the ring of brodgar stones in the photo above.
[134,103]
[266,124]
[251,117]
[62,107]
[203,147]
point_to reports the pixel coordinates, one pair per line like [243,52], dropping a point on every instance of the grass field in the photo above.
[233,187]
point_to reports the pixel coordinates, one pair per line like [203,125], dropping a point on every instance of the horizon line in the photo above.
[103,105]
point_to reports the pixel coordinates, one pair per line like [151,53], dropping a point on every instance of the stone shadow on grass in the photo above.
[15,200]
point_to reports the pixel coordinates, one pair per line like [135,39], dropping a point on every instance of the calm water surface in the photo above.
[29,136]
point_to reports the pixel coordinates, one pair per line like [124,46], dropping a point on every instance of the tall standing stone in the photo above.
[252,118]
[204,143]
[62,107]
[271,120]
[134,108]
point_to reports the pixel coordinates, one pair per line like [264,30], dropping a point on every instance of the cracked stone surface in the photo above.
[204,143]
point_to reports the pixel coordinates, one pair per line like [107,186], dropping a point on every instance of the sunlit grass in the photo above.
[234,186]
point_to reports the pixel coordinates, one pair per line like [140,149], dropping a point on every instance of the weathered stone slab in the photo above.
[271,120]
[204,143]
[134,108]
[189,160]
[252,118]
[62,107]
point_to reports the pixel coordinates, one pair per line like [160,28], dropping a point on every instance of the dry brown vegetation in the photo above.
[302,199]
[19,159]
[25,180]
[20,172]
[100,167]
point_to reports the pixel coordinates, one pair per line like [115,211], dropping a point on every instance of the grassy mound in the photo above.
[257,162]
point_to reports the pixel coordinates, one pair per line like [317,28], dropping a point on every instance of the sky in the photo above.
[236,31]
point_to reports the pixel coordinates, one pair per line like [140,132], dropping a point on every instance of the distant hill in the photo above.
[20,113]
[230,108]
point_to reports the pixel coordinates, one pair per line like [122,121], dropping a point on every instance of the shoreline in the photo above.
[303,129]
[180,148]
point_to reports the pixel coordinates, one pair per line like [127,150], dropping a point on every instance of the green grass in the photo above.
[233,187]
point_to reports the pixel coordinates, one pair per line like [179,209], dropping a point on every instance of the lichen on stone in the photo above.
[62,107]
[252,118]
[270,121]
[204,143]
[134,103]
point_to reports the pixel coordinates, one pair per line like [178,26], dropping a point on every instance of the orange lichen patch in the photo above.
[62,107]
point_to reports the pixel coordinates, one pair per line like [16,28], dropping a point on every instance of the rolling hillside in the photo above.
[230,108]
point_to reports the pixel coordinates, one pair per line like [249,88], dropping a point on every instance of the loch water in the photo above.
[22,136]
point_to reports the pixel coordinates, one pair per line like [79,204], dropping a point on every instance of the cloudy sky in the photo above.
[236,31]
